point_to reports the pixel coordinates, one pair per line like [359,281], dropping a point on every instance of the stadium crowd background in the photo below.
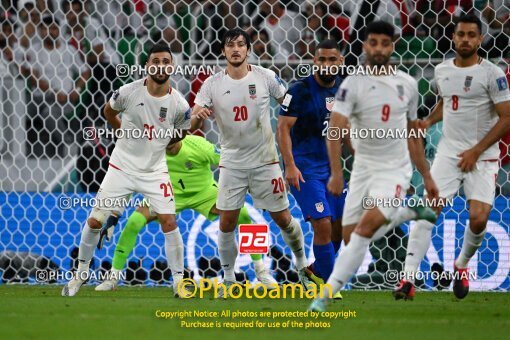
[58,66]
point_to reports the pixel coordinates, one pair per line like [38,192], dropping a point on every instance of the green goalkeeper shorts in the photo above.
[201,203]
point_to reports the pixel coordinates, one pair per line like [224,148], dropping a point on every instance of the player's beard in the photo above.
[378,59]
[466,53]
[327,78]
[237,63]
[159,80]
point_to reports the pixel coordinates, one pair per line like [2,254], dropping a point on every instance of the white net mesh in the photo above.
[59,64]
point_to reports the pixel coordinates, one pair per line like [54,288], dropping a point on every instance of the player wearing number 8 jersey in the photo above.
[240,97]
[475,110]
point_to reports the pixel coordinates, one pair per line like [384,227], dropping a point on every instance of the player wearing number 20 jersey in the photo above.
[242,112]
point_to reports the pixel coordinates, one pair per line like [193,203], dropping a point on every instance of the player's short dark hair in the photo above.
[328,44]
[159,47]
[380,27]
[234,34]
[469,19]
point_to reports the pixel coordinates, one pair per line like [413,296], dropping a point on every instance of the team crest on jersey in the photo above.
[188,165]
[502,83]
[252,90]
[400,90]
[342,95]
[162,114]
[115,94]
[319,207]
[329,103]
[467,83]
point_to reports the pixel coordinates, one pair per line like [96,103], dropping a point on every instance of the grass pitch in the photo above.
[40,312]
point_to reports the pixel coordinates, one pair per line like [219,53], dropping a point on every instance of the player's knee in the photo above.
[321,231]
[168,226]
[282,218]
[145,211]
[478,221]
[365,230]
[94,223]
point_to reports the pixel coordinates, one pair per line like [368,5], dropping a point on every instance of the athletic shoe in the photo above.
[318,305]
[404,291]
[72,287]
[223,292]
[266,279]
[305,280]
[460,282]
[423,212]
[107,285]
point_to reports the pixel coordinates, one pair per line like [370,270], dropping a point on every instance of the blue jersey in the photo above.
[311,104]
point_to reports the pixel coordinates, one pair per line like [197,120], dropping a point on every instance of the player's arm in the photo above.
[469,157]
[417,153]
[198,115]
[292,173]
[435,116]
[178,137]
[111,116]
[338,122]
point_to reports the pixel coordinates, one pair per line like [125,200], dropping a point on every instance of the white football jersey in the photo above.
[379,102]
[242,112]
[157,117]
[469,95]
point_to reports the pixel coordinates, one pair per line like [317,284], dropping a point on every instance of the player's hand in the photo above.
[422,124]
[202,113]
[336,184]
[431,187]
[294,176]
[468,159]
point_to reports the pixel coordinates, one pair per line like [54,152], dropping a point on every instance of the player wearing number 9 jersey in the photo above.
[382,163]
[240,97]
[475,110]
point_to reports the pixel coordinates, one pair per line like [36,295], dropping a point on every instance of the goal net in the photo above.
[60,62]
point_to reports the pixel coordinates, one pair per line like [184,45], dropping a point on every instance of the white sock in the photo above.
[470,245]
[293,237]
[417,246]
[403,214]
[227,248]
[88,243]
[174,250]
[258,265]
[348,262]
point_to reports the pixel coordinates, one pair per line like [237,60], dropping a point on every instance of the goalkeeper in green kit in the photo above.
[189,165]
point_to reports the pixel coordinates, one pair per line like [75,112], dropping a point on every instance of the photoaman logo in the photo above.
[188,288]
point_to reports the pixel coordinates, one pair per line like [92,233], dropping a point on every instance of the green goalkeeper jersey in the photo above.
[190,170]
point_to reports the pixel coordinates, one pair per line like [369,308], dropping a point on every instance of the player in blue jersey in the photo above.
[302,126]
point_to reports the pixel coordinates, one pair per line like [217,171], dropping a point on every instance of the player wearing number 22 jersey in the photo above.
[240,98]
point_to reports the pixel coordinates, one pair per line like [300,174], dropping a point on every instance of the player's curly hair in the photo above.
[380,27]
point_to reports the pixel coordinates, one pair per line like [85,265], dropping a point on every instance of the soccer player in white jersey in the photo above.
[382,167]
[475,110]
[154,108]
[240,96]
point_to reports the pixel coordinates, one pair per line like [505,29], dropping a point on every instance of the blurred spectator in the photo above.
[86,34]
[213,19]
[165,27]
[283,25]
[29,19]
[7,40]
[92,163]
[55,90]
[496,15]
[261,48]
